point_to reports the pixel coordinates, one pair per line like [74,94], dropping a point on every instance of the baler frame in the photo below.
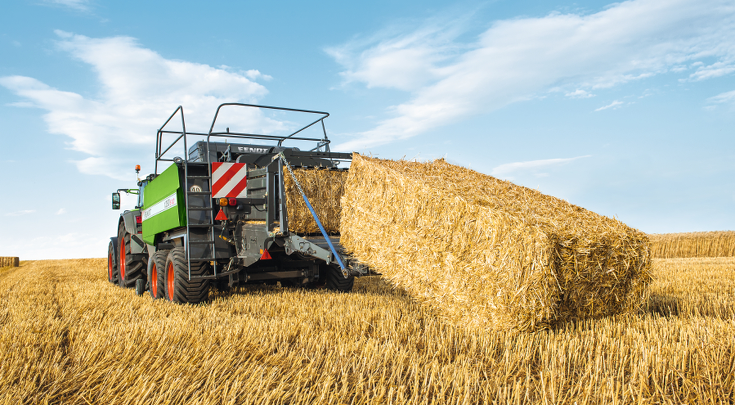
[321,150]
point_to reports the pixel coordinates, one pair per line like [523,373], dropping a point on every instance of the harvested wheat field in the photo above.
[69,336]
[488,253]
[693,244]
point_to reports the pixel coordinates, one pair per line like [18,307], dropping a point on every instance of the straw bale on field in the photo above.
[486,252]
[9,262]
[324,189]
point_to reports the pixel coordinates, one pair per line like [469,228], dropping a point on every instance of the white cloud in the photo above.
[404,61]
[61,211]
[579,93]
[19,213]
[139,89]
[614,104]
[81,5]
[714,70]
[517,59]
[646,93]
[509,169]
[67,246]
[727,97]
[254,74]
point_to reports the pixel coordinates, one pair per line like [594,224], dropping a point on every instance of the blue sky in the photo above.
[626,109]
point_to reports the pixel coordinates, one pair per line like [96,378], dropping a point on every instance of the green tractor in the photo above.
[218,216]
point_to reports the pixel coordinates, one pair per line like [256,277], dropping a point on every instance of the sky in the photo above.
[626,109]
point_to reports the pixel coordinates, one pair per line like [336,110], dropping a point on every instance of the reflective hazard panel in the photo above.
[229,180]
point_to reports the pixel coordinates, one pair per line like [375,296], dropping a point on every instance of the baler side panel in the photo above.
[159,213]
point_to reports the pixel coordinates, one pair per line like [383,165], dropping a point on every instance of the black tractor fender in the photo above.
[137,246]
[128,220]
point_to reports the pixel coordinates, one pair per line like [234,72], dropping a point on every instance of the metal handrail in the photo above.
[264,137]
[160,132]
[268,107]
[247,135]
[321,142]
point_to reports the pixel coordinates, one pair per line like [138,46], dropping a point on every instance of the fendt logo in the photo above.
[249,149]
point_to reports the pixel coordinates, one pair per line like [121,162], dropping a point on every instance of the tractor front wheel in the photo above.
[130,268]
[111,264]
[179,288]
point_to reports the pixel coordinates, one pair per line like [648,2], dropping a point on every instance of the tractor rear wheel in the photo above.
[111,264]
[334,279]
[130,268]
[179,288]
[157,274]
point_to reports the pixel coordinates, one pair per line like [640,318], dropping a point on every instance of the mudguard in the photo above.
[128,219]
[137,246]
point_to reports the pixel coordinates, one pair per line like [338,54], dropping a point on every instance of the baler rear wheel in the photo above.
[179,288]
[157,275]
[111,264]
[335,280]
[129,268]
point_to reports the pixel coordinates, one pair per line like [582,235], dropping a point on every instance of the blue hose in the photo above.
[313,214]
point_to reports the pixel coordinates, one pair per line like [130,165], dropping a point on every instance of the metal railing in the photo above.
[321,143]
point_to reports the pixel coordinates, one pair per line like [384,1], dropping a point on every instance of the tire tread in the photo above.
[134,269]
[336,281]
[185,291]
[112,263]
[159,259]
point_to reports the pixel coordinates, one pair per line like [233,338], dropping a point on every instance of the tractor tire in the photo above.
[111,264]
[178,287]
[157,275]
[129,269]
[140,286]
[335,281]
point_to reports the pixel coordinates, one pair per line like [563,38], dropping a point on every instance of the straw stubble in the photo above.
[69,336]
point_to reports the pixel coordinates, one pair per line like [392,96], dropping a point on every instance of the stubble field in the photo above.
[69,336]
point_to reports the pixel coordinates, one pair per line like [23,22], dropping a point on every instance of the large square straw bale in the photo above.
[9,262]
[324,189]
[487,253]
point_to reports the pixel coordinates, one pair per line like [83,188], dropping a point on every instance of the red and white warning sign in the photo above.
[229,180]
